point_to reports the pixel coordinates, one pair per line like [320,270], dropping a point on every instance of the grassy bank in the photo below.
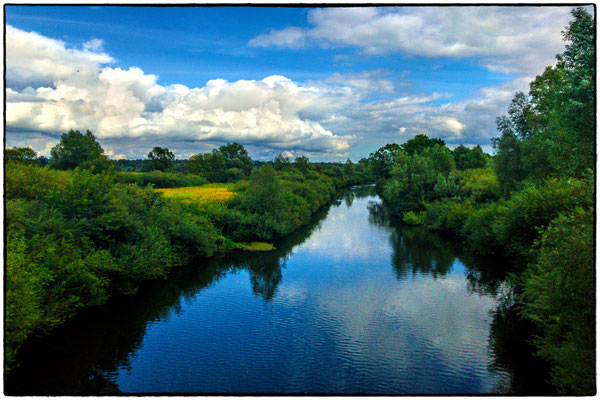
[74,238]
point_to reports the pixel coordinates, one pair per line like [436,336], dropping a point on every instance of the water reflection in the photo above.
[357,303]
[84,355]
[418,251]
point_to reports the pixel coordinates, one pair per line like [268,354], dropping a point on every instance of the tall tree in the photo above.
[420,142]
[74,150]
[281,162]
[236,156]
[159,159]
[301,163]
[383,160]
[25,155]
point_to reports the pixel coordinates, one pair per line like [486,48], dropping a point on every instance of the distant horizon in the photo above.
[327,83]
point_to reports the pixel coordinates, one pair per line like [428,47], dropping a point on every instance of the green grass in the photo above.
[257,246]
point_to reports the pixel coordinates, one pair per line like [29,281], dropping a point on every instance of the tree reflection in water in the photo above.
[85,355]
[419,251]
[81,356]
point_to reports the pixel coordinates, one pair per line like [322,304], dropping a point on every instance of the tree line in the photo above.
[80,230]
[533,200]
[81,227]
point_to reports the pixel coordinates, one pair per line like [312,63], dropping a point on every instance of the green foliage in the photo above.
[478,229]
[508,163]
[75,149]
[383,160]
[466,158]
[421,142]
[160,180]
[447,214]
[24,155]
[264,192]
[534,207]
[559,296]
[302,164]
[413,218]
[236,156]
[76,237]
[281,162]
[481,185]
[29,182]
[211,166]
[23,294]
[415,177]
[159,159]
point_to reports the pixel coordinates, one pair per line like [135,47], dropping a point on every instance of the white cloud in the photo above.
[288,37]
[513,40]
[79,93]
[52,88]
[93,44]
[35,60]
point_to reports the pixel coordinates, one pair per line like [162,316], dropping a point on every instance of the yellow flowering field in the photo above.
[209,193]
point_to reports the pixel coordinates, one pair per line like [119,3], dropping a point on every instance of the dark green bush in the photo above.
[160,179]
[559,296]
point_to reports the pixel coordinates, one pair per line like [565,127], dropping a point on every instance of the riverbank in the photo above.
[338,292]
[74,238]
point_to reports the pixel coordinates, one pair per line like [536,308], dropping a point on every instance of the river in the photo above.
[351,304]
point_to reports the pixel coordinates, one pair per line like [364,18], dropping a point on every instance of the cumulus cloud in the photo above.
[52,89]
[35,60]
[505,39]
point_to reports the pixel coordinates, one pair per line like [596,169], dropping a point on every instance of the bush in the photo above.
[559,296]
[447,215]
[161,180]
[534,207]
[478,232]
[480,184]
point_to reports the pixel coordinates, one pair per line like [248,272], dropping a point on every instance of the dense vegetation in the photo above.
[79,230]
[81,227]
[534,201]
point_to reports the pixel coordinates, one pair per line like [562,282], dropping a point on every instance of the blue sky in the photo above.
[328,83]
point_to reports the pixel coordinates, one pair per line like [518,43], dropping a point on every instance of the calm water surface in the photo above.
[351,304]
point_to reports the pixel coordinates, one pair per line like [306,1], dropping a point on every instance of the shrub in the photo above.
[447,214]
[159,179]
[559,296]
[534,207]
[478,231]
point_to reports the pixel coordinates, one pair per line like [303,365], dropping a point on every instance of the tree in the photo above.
[25,155]
[74,149]
[348,167]
[383,160]
[301,163]
[281,162]
[550,131]
[420,142]
[42,161]
[466,158]
[577,99]
[212,166]
[264,190]
[508,165]
[559,295]
[236,156]
[159,159]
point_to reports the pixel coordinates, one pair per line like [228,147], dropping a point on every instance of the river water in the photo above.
[351,304]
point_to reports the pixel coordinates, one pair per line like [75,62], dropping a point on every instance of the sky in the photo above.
[328,83]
